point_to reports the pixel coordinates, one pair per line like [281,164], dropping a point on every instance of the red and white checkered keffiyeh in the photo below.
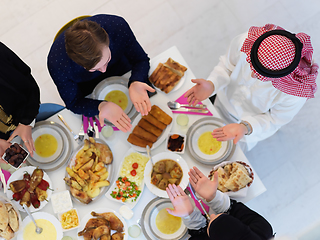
[277,52]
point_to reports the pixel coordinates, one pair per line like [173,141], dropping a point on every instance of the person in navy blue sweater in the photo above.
[90,51]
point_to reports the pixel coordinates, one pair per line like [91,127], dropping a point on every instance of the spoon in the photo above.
[176,105]
[149,154]
[38,229]
[199,201]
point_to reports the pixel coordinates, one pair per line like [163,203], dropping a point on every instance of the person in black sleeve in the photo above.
[231,220]
[19,100]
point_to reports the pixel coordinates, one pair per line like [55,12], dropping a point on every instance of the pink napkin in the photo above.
[6,174]
[184,100]
[206,207]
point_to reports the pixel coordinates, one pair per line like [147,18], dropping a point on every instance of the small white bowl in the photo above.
[184,142]
[60,218]
[61,201]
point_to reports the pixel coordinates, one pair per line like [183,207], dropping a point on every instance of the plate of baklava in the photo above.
[167,75]
[151,129]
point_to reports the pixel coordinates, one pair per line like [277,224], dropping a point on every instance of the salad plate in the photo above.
[131,170]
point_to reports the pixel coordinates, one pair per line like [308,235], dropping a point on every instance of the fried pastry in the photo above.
[135,140]
[166,76]
[160,115]
[151,119]
[149,127]
[176,67]
[144,134]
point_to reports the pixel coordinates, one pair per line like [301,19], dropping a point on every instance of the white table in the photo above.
[120,146]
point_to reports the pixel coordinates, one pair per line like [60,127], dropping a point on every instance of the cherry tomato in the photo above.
[133,172]
[135,165]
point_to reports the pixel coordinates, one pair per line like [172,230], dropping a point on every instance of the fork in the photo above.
[75,136]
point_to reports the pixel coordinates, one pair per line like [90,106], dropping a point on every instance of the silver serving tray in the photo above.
[65,153]
[147,225]
[103,190]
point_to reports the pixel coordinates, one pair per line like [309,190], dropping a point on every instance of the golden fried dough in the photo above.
[180,69]
[149,127]
[151,119]
[159,114]
[166,76]
[136,140]
[144,134]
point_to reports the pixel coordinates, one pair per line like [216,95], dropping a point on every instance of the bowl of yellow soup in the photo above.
[157,223]
[118,94]
[51,226]
[203,147]
[48,144]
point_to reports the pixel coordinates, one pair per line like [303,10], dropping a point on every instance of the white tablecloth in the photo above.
[120,146]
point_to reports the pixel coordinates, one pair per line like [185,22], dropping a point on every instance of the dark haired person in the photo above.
[261,83]
[88,52]
[19,100]
[230,220]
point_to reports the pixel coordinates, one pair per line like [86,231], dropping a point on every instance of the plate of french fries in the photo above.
[88,173]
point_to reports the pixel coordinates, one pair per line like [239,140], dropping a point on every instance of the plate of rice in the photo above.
[129,184]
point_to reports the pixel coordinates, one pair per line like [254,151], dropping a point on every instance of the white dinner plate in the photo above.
[114,185]
[18,175]
[148,223]
[164,134]
[42,215]
[109,168]
[154,65]
[56,134]
[88,216]
[114,83]
[200,126]
[161,156]
[196,135]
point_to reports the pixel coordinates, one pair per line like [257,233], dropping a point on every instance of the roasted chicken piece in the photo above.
[105,237]
[80,195]
[105,153]
[115,222]
[117,236]
[91,225]
[99,231]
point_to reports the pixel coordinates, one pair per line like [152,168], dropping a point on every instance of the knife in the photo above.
[200,202]
[191,110]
